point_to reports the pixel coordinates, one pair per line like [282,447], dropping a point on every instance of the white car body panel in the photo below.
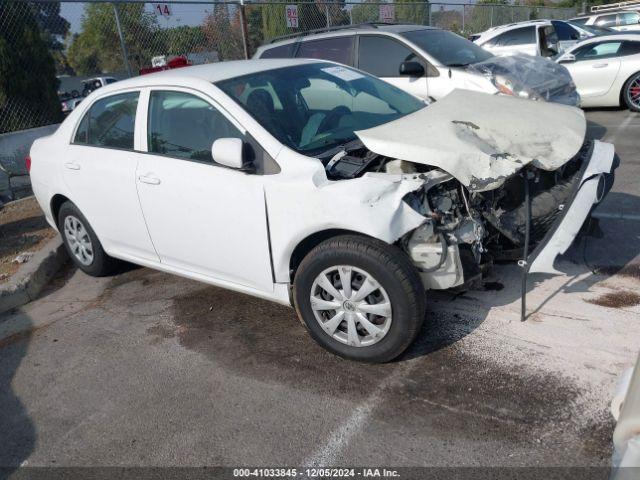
[448,134]
[600,81]
[239,230]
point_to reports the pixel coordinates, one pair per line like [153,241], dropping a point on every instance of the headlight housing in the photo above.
[507,86]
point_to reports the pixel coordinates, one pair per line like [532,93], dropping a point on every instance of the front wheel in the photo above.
[360,298]
[631,93]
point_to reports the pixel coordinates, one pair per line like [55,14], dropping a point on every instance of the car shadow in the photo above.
[18,433]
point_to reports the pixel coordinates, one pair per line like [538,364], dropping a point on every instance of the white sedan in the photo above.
[606,70]
[316,185]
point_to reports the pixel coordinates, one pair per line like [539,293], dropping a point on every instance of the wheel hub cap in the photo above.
[78,240]
[351,306]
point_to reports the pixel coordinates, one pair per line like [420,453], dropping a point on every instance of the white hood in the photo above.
[482,139]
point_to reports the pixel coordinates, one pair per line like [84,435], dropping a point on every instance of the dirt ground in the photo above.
[23,228]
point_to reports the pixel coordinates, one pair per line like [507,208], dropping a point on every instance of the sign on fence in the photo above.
[162,9]
[291,13]
[387,13]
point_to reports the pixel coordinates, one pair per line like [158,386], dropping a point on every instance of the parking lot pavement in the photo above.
[150,369]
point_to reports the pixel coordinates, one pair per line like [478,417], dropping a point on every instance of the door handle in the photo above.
[600,65]
[72,166]
[149,179]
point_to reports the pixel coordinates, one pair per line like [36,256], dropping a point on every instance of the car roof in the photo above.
[210,72]
[344,31]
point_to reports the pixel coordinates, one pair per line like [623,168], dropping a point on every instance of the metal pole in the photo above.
[491,18]
[524,263]
[123,46]
[429,13]
[245,34]
[464,12]
[326,11]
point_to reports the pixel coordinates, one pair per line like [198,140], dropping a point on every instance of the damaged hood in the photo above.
[482,139]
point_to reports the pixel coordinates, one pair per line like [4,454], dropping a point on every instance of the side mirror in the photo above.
[412,69]
[567,58]
[228,152]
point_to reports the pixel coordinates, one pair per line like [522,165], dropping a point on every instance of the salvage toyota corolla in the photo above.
[316,185]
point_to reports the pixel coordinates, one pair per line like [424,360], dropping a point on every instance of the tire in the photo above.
[98,263]
[381,264]
[632,85]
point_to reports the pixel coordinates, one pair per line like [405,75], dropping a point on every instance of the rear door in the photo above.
[100,173]
[381,56]
[596,67]
[567,35]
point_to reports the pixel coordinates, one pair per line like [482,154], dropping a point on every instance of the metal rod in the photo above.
[245,34]
[125,56]
[525,254]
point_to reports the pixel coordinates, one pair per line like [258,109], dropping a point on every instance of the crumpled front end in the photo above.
[531,77]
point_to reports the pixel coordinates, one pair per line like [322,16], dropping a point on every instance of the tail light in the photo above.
[27,162]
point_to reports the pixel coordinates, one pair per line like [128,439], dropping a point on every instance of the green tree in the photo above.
[96,48]
[183,40]
[28,83]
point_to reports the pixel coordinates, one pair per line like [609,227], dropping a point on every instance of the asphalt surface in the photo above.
[148,369]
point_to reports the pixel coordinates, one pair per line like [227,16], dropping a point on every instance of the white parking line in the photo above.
[327,454]
[625,123]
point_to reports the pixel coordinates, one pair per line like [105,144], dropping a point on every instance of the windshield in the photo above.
[315,107]
[449,49]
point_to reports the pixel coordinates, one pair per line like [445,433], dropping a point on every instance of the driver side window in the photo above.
[185,126]
[598,51]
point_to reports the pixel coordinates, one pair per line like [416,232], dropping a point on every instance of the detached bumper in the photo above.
[596,180]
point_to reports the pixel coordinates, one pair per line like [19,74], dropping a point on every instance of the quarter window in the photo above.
[382,56]
[109,122]
[283,51]
[337,49]
[629,48]
[185,126]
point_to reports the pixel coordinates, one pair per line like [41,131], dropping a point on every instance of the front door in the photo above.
[203,217]
[382,56]
[596,67]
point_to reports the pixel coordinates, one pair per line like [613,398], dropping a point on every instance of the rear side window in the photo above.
[109,122]
[606,20]
[283,51]
[517,36]
[382,56]
[185,126]
[337,49]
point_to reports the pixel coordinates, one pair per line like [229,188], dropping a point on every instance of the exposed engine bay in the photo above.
[466,230]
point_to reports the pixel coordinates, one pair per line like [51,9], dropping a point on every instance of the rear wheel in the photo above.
[360,298]
[631,93]
[82,244]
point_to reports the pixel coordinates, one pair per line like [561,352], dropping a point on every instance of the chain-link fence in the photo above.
[53,53]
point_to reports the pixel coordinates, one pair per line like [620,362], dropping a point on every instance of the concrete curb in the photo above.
[28,282]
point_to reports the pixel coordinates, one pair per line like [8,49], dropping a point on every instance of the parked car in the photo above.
[622,16]
[91,84]
[426,62]
[533,37]
[316,185]
[606,70]
[69,104]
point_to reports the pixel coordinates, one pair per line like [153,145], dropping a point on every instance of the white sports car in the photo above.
[606,70]
[319,186]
